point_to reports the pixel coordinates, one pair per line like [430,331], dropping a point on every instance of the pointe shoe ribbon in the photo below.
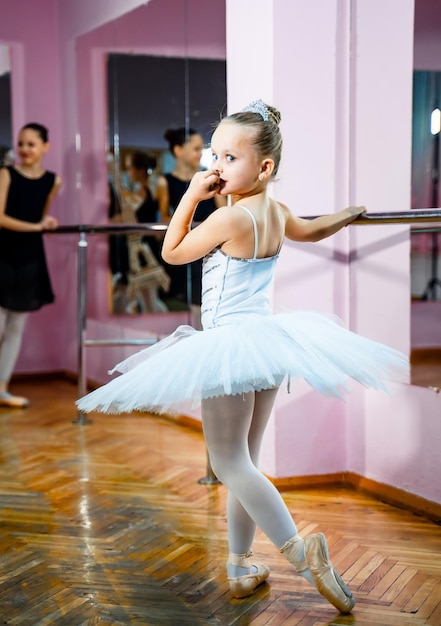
[293,550]
[329,583]
[243,586]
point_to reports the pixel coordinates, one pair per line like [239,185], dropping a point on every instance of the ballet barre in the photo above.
[82,341]
[83,230]
[414,216]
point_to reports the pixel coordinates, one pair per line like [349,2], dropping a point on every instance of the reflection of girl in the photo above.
[26,191]
[139,168]
[118,248]
[186,146]
[146,274]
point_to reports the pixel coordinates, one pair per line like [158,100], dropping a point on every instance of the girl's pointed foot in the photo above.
[328,582]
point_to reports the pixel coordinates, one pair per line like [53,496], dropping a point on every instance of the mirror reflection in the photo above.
[6,153]
[426,129]
[425,139]
[157,139]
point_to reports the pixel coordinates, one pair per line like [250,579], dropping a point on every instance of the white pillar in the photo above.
[340,71]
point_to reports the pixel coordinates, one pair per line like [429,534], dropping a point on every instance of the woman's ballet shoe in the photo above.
[243,586]
[14,402]
[328,582]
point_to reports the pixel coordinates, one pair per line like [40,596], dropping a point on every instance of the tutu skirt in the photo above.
[253,354]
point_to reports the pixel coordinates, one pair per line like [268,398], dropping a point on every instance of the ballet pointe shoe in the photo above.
[243,586]
[13,402]
[328,582]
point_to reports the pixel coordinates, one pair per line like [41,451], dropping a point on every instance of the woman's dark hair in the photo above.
[178,136]
[41,130]
[143,161]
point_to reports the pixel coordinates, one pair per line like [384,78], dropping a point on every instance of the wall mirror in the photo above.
[426,130]
[426,241]
[161,66]
[425,138]
[426,127]
[6,140]
[148,97]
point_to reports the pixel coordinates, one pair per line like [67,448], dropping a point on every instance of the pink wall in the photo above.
[395,440]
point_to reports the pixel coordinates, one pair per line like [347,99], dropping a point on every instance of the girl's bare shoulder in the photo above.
[282,208]
[161,182]
[280,211]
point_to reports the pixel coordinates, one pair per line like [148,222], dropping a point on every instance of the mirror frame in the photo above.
[6,131]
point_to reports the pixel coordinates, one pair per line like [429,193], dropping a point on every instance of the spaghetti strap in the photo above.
[256,235]
[280,245]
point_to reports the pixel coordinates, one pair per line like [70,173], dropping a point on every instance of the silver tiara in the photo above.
[257,106]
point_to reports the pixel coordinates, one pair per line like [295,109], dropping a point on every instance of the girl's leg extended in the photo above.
[233,429]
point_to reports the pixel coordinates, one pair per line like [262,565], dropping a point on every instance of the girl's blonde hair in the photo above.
[267,136]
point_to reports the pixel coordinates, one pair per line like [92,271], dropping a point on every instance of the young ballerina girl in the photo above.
[26,192]
[244,352]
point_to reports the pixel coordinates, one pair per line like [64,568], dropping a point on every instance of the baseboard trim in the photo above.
[420,356]
[22,377]
[397,497]
[385,493]
[293,483]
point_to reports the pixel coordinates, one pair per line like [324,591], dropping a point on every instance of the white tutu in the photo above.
[255,354]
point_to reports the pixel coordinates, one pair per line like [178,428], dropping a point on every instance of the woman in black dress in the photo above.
[26,192]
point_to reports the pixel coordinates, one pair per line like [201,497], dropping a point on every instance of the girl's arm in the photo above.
[48,222]
[182,244]
[163,197]
[11,223]
[53,192]
[300,229]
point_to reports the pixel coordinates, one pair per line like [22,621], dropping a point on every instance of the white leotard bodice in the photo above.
[233,288]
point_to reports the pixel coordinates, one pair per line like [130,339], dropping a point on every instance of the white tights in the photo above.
[233,429]
[12,325]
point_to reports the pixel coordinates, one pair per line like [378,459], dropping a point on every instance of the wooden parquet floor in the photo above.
[107,524]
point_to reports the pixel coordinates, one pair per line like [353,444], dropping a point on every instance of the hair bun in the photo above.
[274,114]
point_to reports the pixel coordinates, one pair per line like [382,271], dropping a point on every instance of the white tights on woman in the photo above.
[12,325]
[233,429]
